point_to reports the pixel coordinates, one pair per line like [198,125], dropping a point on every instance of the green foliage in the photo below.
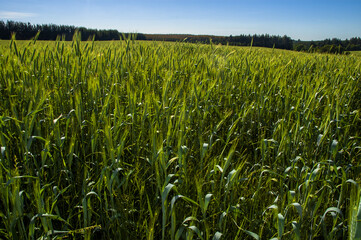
[150,140]
[335,46]
[27,31]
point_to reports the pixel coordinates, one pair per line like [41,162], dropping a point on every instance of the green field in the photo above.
[152,140]
[356,53]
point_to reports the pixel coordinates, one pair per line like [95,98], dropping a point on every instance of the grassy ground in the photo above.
[356,53]
[149,140]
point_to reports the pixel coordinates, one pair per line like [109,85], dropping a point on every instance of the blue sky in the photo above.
[299,19]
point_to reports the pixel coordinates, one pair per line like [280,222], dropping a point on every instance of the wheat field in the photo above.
[153,140]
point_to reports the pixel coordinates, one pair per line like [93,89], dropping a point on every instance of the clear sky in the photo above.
[299,19]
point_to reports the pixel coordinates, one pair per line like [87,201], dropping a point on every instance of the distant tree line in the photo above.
[263,40]
[334,45]
[26,31]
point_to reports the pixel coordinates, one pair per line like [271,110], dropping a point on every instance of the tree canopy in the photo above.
[334,45]
[26,31]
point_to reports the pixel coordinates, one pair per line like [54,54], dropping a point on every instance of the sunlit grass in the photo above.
[151,140]
[356,53]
